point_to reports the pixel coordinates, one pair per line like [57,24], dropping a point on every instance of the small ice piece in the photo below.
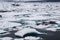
[1,31]
[6,38]
[19,39]
[43,13]
[25,31]
[32,38]
[41,26]
[30,22]
[51,29]
[58,22]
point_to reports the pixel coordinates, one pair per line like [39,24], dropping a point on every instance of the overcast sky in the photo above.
[21,0]
[32,0]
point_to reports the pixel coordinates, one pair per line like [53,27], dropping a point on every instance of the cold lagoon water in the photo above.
[29,21]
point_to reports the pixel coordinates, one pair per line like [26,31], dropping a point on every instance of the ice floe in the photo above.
[25,31]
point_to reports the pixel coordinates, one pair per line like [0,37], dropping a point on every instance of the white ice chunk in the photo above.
[2,31]
[58,22]
[19,39]
[6,38]
[41,26]
[25,31]
[51,29]
[31,38]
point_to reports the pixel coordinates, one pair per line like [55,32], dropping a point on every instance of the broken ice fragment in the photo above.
[19,39]
[41,26]
[51,29]
[32,38]
[6,38]
[2,32]
[25,31]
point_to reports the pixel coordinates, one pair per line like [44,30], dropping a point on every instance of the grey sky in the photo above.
[32,0]
[21,0]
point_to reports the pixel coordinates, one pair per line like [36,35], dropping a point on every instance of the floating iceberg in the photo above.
[26,31]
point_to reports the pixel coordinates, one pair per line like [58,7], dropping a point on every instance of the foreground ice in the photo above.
[6,38]
[27,30]
[19,39]
[33,38]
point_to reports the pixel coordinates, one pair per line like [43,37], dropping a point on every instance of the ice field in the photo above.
[29,21]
